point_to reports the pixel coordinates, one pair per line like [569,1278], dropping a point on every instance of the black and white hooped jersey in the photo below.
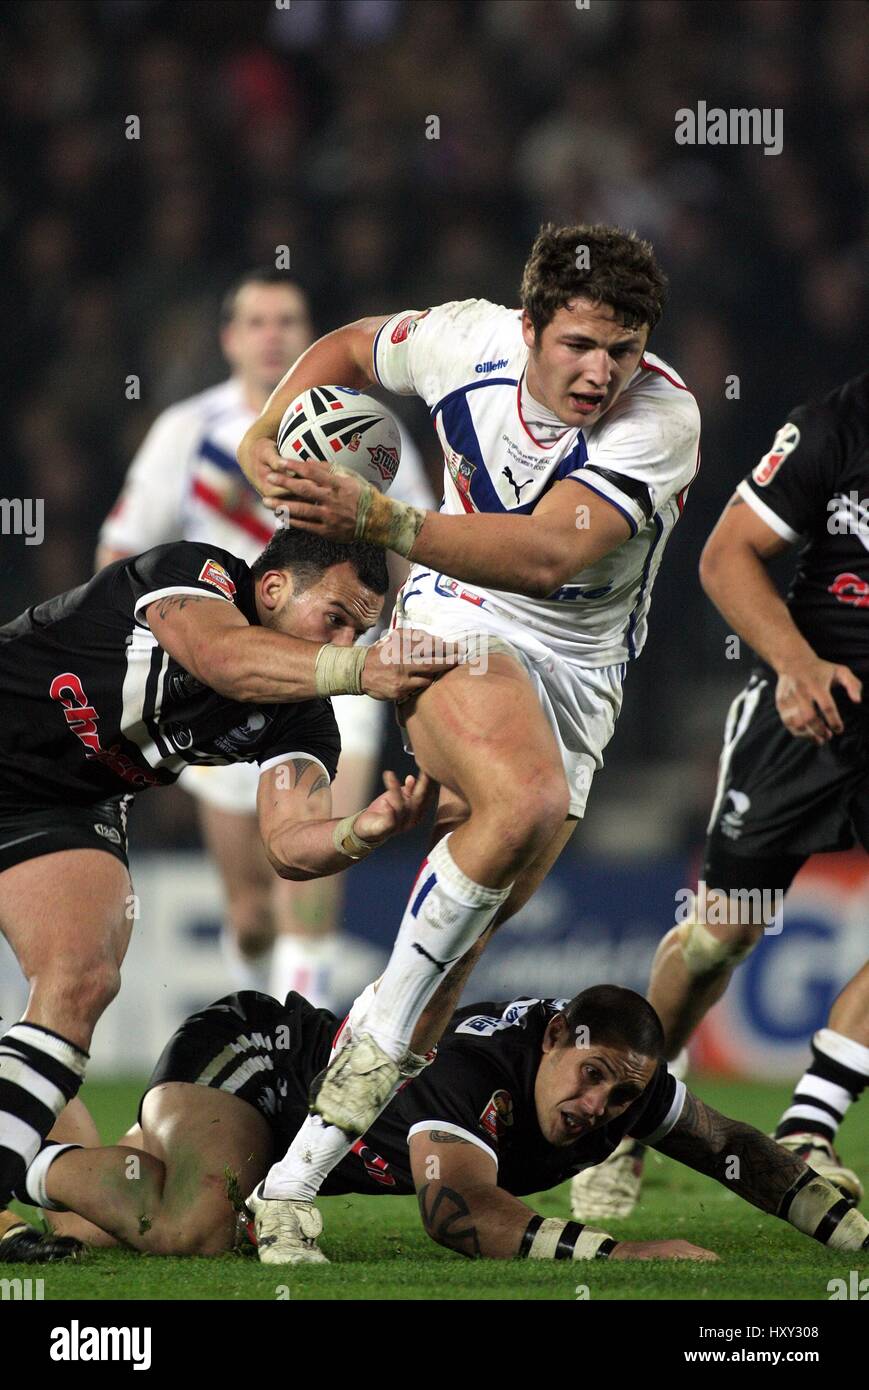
[812,489]
[481,1088]
[93,707]
[467,360]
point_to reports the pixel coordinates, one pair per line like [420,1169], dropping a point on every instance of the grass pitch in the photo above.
[380,1251]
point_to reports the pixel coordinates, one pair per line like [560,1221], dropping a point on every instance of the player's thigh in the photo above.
[66,913]
[210,1143]
[482,734]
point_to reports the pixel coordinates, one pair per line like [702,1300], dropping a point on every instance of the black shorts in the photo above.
[251,1046]
[781,799]
[29,833]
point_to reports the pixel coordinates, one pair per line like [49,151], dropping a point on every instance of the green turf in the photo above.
[380,1251]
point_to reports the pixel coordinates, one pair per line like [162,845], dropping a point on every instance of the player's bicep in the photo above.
[291,791]
[741,526]
[584,525]
[445,1156]
[188,625]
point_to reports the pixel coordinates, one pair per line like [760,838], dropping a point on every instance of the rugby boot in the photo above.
[817,1151]
[358,1083]
[285,1231]
[609,1189]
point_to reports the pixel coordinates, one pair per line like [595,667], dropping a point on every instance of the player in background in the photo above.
[521,1095]
[794,772]
[568,450]
[184,483]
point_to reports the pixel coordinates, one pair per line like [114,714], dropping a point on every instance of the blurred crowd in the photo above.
[405,152]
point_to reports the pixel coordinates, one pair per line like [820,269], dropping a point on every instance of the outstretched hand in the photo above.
[399,808]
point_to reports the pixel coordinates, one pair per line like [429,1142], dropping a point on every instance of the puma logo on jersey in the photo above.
[731,821]
[517,487]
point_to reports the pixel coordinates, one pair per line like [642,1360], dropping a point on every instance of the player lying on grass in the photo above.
[568,451]
[183,655]
[519,1097]
[794,771]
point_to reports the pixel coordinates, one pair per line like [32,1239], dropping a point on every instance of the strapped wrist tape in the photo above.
[338,670]
[386,522]
[551,1239]
[346,841]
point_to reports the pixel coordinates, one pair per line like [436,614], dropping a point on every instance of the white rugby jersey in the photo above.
[185,483]
[467,360]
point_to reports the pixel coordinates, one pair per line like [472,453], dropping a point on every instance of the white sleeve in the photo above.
[411,483]
[419,351]
[149,509]
[644,452]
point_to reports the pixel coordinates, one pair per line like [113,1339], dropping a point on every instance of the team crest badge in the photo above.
[498,1115]
[214,574]
[406,326]
[461,471]
[784,443]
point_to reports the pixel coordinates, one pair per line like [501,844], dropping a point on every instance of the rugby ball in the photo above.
[341,427]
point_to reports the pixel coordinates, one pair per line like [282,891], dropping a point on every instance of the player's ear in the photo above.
[275,586]
[555,1034]
[528,333]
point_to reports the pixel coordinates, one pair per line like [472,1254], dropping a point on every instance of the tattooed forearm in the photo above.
[442,1216]
[179,601]
[733,1153]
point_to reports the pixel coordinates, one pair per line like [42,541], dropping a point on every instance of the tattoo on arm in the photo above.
[735,1154]
[442,1136]
[735,501]
[322,784]
[442,1216]
[179,601]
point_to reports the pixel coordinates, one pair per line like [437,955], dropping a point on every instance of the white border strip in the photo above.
[285,758]
[672,1115]
[766,513]
[180,589]
[425,1125]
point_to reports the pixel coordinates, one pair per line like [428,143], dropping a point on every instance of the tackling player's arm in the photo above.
[213,640]
[733,572]
[463,1208]
[300,836]
[746,1162]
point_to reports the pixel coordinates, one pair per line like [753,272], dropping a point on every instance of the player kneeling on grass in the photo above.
[519,1097]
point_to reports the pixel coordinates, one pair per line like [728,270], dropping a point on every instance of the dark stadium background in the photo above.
[263,126]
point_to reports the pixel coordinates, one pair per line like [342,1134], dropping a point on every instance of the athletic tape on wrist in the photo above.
[386,522]
[338,670]
[346,841]
[563,1240]
[818,1209]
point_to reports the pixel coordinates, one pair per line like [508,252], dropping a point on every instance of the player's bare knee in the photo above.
[79,992]
[708,952]
[529,823]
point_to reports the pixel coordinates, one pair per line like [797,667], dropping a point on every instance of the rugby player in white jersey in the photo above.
[568,451]
[184,484]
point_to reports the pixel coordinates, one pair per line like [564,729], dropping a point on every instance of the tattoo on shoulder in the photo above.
[179,601]
[443,1215]
[442,1136]
[322,784]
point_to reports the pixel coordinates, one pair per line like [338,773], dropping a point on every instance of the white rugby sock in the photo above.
[315,1151]
[307,965]
[445,915]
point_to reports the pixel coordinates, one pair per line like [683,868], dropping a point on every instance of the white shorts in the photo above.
[581,703]
[361,722]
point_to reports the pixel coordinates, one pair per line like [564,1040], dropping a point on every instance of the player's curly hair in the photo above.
[596,262]
[308,557]
[616,1017]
